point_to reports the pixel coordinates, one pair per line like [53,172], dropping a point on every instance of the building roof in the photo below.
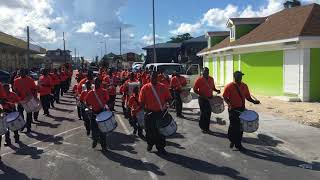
[252,20]
[196,40]
[164,46]
[217,33]
[286,24]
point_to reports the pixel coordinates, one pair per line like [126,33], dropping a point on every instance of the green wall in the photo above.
[314,74]
[211,66]
[225,69]
[235,62]
[263,72]
[244,29]
[218,70]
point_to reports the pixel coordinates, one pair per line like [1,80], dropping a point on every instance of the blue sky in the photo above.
[89,23]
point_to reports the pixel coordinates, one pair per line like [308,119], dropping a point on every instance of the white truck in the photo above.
[190,72]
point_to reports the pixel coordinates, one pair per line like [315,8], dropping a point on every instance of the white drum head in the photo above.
[249,115]
[104,116]
[12,116]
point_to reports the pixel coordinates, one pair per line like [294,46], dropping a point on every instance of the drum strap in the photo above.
[240,94]
[99,101]
[207,83]
[157,97]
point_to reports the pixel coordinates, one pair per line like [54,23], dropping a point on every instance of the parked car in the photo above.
[4,76]
[34,75]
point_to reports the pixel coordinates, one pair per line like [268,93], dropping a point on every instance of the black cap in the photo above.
[238,73]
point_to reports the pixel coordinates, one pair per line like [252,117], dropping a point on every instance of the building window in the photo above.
[233,32]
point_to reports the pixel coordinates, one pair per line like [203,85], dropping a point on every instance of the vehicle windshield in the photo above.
[170,69]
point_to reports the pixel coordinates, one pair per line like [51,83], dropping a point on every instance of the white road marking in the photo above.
[224,154]
[152,175]
[123,124]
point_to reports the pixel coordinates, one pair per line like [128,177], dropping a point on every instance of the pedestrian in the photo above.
[45,85]
[25,86]
[97,100]
[85,116]
[154,97]
[235,94]
[204,86]
[176,84]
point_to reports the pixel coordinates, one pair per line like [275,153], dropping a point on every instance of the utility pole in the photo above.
[154,34]
[28,47]
[64,49]
[105,47]
[120,42]
[75,57]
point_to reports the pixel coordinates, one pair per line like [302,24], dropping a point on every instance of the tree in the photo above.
[180,38]
[290,4]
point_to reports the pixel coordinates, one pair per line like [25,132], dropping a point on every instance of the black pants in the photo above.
[57,92]
[97,135]
[111,102]
[205,114]
[45,102]
[63,87]
[134,122]
[29,116]
[178,102]
[79,112]
[152,134]
[235,132]
[86,120]
[125,111]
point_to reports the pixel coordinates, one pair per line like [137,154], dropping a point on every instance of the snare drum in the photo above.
[131,86]
[106,121]
[140,118]
[185,96]
[250,121]
[217,104]
[88,112]
[166,125]
[3,125]
[31,104]
[15,121]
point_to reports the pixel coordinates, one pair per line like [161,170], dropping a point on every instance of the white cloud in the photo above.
[187,28]
[106,36]
[97,33]
[170,22]
[148,39]
[216,17]
[131,35]
[87,27]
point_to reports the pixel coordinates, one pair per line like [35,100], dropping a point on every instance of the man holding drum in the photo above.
[45,85]
[97,99]
[176,84]
[154,97]
[235,94]
[204,86]
[86,120]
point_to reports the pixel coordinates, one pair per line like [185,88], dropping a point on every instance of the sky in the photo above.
[89,24]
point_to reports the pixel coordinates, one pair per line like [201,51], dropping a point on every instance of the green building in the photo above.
[279,54]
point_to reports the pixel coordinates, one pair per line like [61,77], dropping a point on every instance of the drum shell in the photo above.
[140,119]
[131,86]
[3,125]
[31,104]
[107,125]
[250,126]
[166,125]
[185,96]
[217,104]
[16,124]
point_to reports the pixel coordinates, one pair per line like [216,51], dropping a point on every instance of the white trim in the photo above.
[239,66]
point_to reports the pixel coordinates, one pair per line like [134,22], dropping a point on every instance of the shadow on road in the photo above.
[263,140]
[10,173]
[122,141]
[60,119]
[173,144]
[45,137]
[132,163]
[202,166]
[63,110]
[47,124]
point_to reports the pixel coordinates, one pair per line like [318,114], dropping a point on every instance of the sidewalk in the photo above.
[300,140]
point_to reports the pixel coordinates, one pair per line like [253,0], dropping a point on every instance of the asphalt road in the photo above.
[59,149]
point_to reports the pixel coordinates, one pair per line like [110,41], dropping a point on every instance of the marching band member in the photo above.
[97,99]
[176,84]
[2,101]
[135,108]
[45,85]
[55,82]
[8,107]
[63,78]
[123,100]
[153,97]
[85,117]
[56,85]
[204,86]
[112,91]
[127,93]
[235,94]
[84,80]
[25,86]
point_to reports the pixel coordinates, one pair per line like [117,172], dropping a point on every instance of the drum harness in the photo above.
[240,94]
[98,99]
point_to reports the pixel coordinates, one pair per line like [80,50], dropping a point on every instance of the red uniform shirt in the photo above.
[134,104]
[231,93]
[148,98]
[79,86]
[44,85]
[54,79]
[2,93]
[12,99]
[204,86]
[63,76]
[24,87]
[93,102]
[83,95]
[178,82]
[145,79]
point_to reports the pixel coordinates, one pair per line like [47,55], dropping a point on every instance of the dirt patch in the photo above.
[302,112]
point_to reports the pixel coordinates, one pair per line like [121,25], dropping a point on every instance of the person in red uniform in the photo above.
[84,80]
[154,111]
[204,86]
[176,84]
[86,119]
[127,93]
[10,106]
[63,82]
[25,86]
[2,101]
[54,83]
[135,107]
[97,106]
[56,87]
[235,94]
[123,100]
[45,85]
[111,87]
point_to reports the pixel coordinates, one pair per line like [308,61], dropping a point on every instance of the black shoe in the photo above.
[7,144]
[28,131]
[205,131]
[162,151]
[94,144]
[135,131]
[17,140]
[88,133]
[149,148]
[241,148]
[180,116]
[231,145]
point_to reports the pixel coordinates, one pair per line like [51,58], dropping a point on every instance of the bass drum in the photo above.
[3,125]
[140,119]
[250,121]
[185,96]
[15,121]
[166,125]
[217,104]
[31,104]
[106,121]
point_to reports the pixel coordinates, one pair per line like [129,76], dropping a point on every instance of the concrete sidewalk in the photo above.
[290,136]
